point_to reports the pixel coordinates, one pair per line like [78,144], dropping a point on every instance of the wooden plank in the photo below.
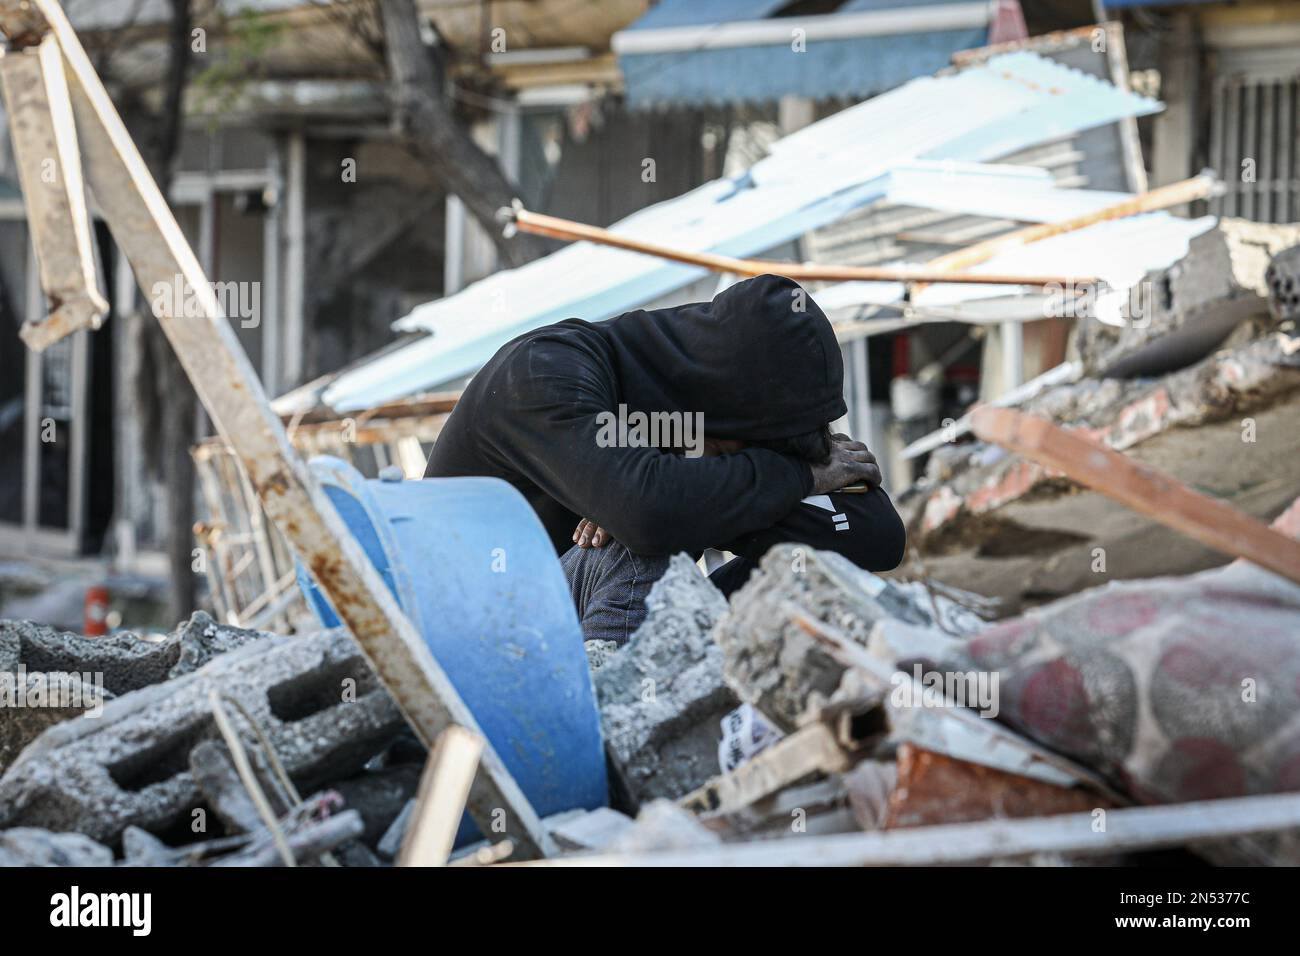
[1175,194]
[1075,834]
[1144,489]
[440,801]
[152,241]
[808,750]
[49,170]
[558,228]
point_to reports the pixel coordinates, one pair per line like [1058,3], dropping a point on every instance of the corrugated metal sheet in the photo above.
[1121,252]
[883,232]
[813,177]
[1023,193]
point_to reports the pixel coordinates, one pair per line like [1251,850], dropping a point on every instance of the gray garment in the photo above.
[609,587]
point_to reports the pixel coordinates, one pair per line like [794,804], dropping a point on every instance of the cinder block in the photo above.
[28,846]
[322,707]
[88,671]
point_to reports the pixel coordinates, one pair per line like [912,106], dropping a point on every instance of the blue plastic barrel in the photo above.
[473,568]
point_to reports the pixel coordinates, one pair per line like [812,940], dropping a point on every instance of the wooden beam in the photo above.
[152,241]
[1140,487]
[440,801]
[49,170]
[558,228]
[1175,194]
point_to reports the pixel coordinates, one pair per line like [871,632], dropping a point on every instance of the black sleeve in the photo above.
[864,528]
[650,501]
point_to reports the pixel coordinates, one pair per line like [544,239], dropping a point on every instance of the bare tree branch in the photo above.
[425,118]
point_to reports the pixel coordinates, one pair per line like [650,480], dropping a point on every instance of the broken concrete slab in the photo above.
[1182,688]
[142,848]
[1177,315]
[772,663]
[124,661]
[662,696]
[31,846]
[990,522]
[321,706]
[31,703]
[201,639]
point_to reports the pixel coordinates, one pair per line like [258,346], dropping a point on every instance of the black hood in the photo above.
[760,361]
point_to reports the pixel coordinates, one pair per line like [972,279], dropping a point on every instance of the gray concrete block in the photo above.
[222,790]
[125,661]
[142,848]
[29,846]
[32,703]
[1178,315]
[661,697]
[81,667]
[379,796]
[770,661]
[201,639]
[322,707]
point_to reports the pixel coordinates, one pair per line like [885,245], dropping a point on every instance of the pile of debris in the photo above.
[1204,370]
[1036,707]
[864,719]
[825,715]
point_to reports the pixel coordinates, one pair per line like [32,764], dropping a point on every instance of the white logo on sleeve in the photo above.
[824,502]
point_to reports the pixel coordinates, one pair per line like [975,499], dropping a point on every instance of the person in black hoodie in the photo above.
[758,366]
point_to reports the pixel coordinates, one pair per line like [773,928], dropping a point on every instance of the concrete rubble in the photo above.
[1178,315]
[30,846]
[661,697]
[1108,692]
[154,761]
[92,671]
[802,708]
[991,522]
